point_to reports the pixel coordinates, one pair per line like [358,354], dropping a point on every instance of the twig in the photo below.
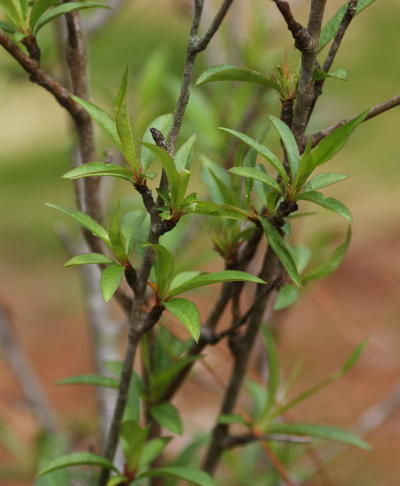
[305,90]
[26,376]
[375,111]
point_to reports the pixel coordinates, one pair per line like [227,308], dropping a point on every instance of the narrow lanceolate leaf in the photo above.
[287,295]
[123,123]
[289,143]
[354,357]
[323,180]
[232,418]
[187,313]
[191,475]
[330,29]
[133,439]
[260,149]
[334,262]
[88,258]
[93,380]
[326,202]
[184,154]
[38,8]
[329,146]
[212,209]
[84,220]
[152,450]
[115,235]
[76,459]
[63,9]
[226,72]
[111,277]
[168,417]
[212,278]
[167,164]
[273,368]
[103,119]
[95,169]
[163,268]
[257,174]
[319,432]
[306,166]
[338,74]
[278,245]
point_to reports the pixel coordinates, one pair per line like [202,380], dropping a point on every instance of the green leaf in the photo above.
[87,258]
[13,12]
[232,418]
[115,235]
[117,480]
[320,432]
[133,440]
[326,202]
[333,263]
[287,295]
[162,123]
[289,143]
[163,268]
[110,280]
[279,247]
[187,313]
[123,123]
[76,459]
[84,220]
[38,8]
[338,74]
[330,29]
[94,169]
[93,380]
[134,228]
[212,278]
[227,72]
[184,154]
[260,149]
[63,9]
[323,180]
[189,474]
[212,209]
[273,368]
[7,27]
[306,166]
[168,417]
[167,164]
[329,146]
[354,357]
[152,450]
[257,174]
[103,119]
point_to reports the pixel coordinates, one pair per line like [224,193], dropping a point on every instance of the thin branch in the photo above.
[305,90]
[301,35]
[375,111]
[26,376]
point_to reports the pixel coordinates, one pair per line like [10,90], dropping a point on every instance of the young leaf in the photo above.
[260,149]
[93,380]
[87,258]
[162,123]
[338,74]
[152,450]
[323,180]
[62,10]
[163,268]
[38,8]
[287,295]
[331,265]
[184,154]
[134,228]
[76,459]
[329,146]
[110,279]
[212,278]
[103,119]
[167,164]
[187,313]
[354,357]
[123,123]
[257,174]
[194,476]
[320,432]
[212,209]
[289,143]
[168,417]
[330,29]
[226,72]
[133,440]
[306,166]
[115,235]
[94,169]
[326,202]
[273,368]
[279,247]
[232,418]
[84,220]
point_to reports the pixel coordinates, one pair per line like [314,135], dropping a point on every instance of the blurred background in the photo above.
[44,300]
